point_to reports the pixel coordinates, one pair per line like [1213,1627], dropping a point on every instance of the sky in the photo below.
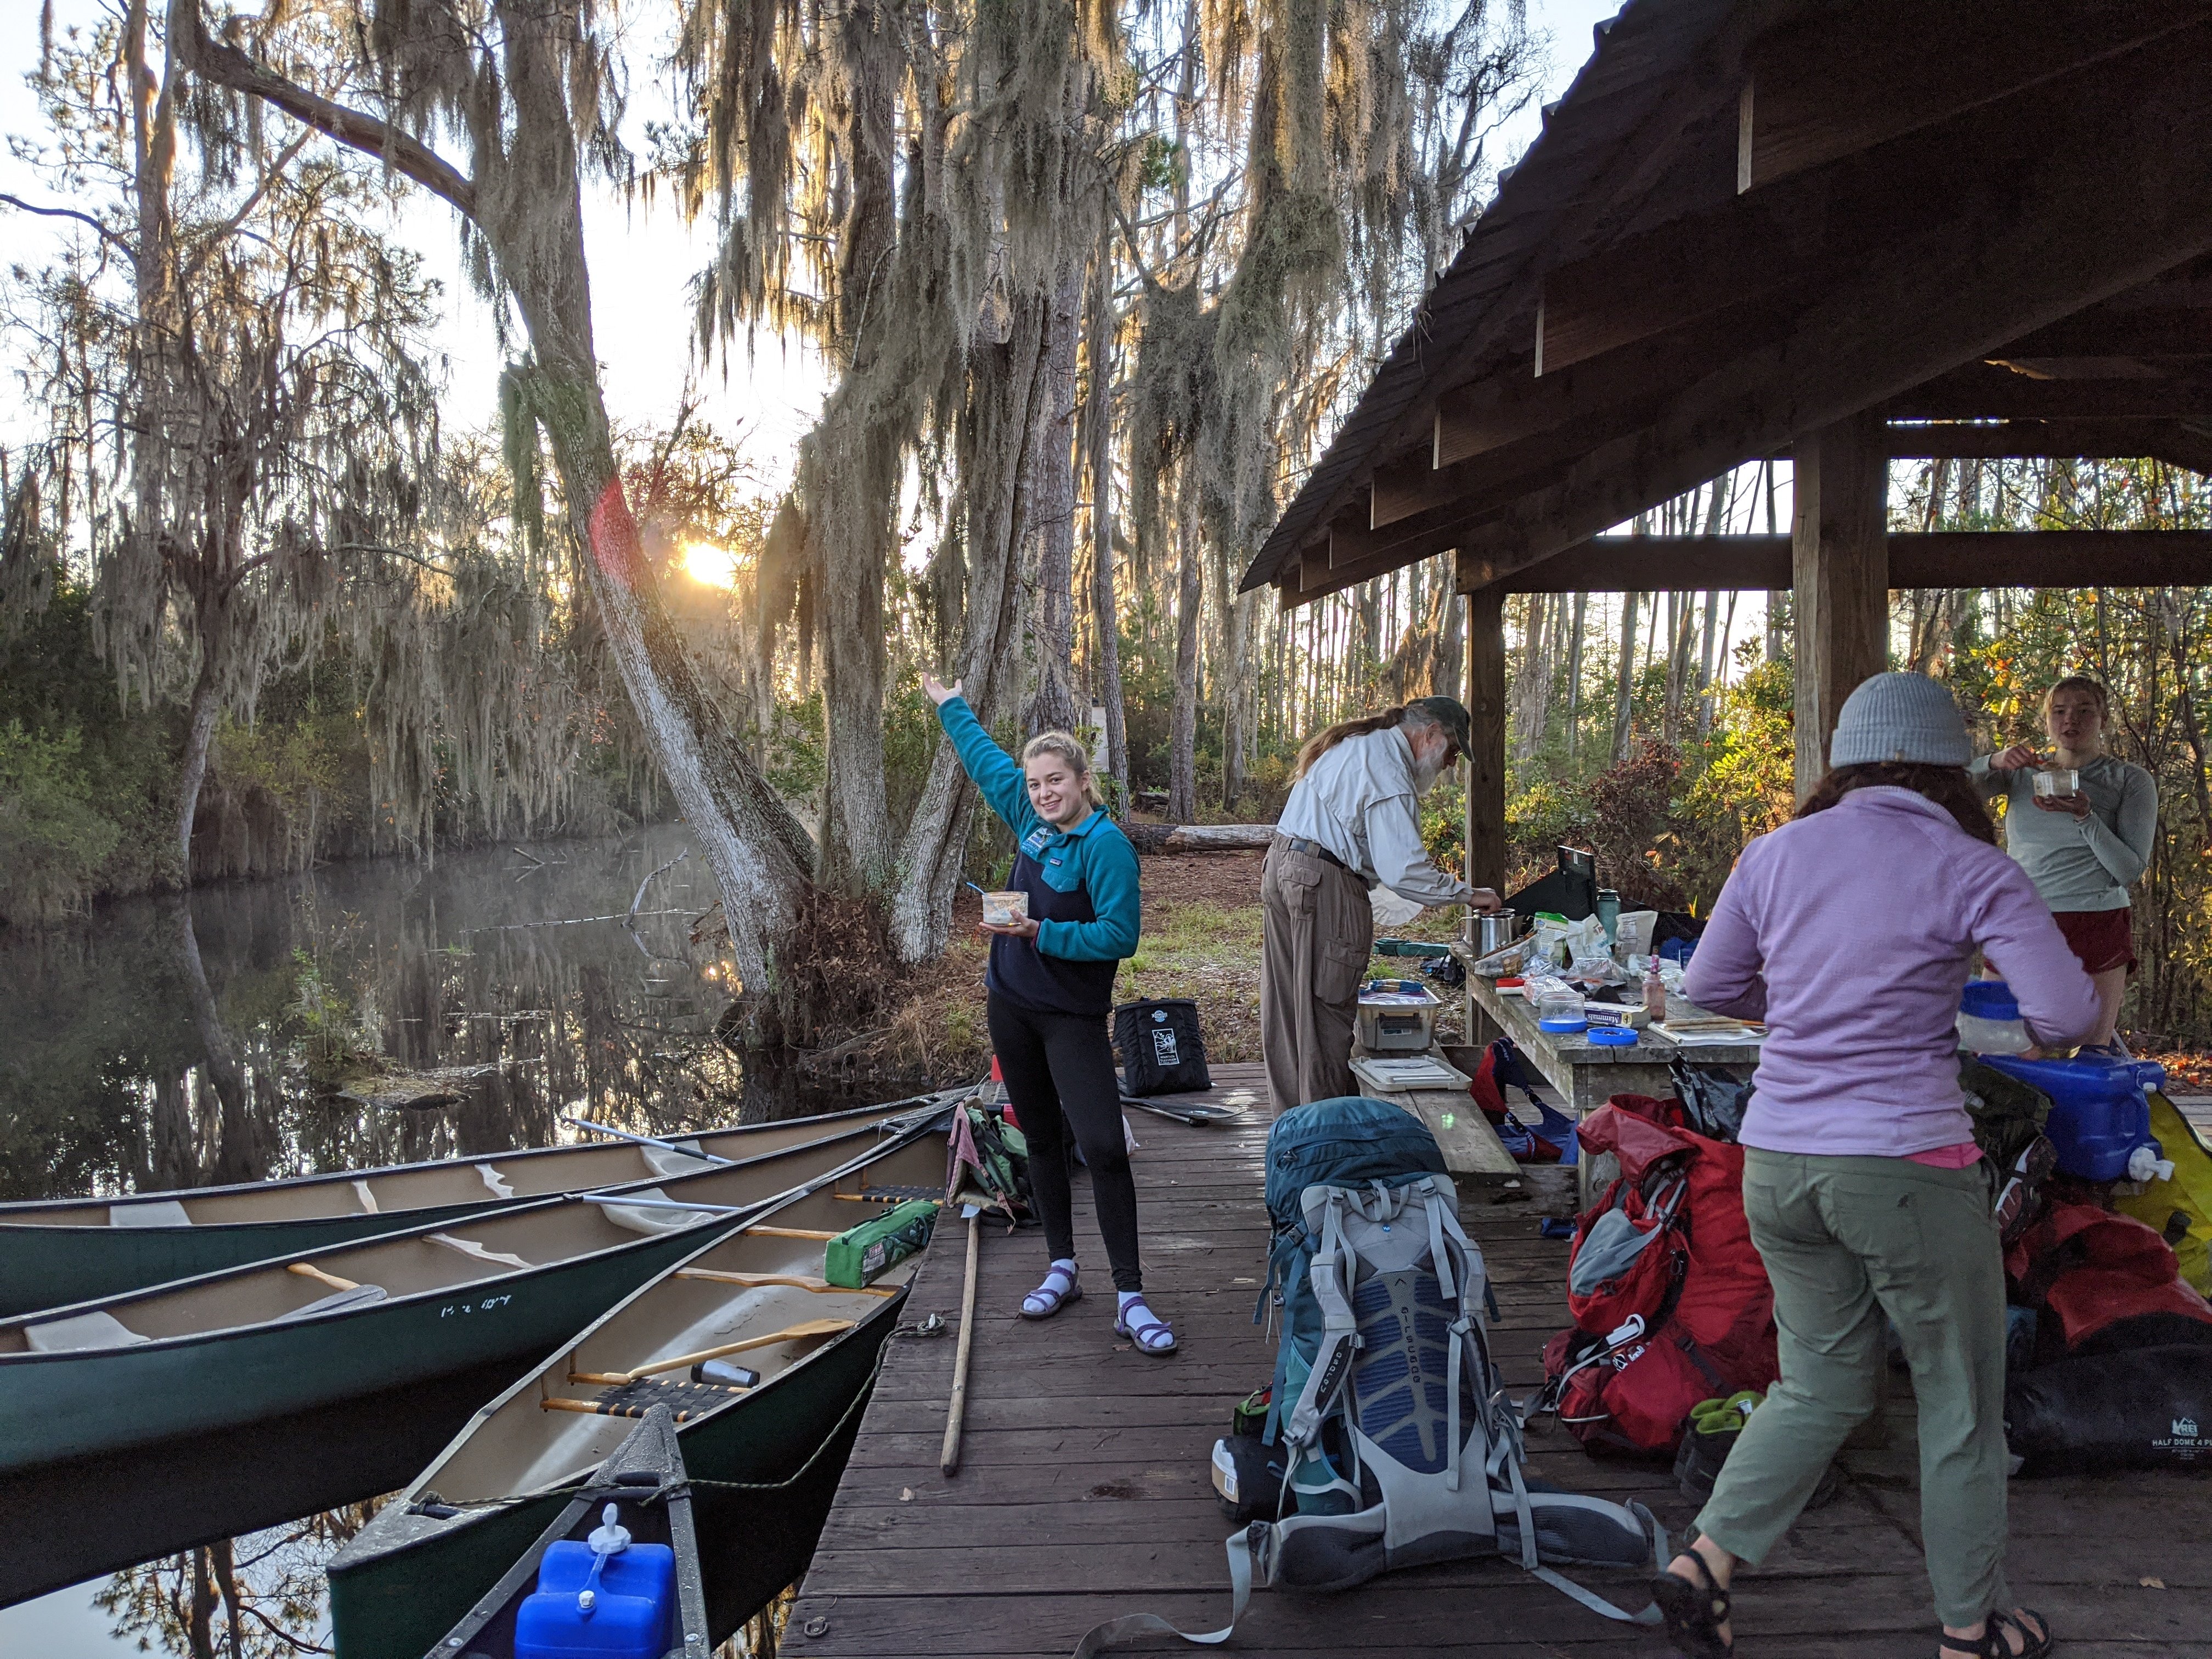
[642,262]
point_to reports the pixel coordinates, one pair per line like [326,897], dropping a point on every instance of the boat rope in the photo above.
[931,1325]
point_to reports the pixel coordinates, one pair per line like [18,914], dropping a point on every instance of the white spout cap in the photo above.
[2145,1165]
[609,1538]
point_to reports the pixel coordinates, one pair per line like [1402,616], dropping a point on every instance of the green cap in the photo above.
[1452,712]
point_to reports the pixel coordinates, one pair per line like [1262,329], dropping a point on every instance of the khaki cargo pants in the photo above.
[1320,932]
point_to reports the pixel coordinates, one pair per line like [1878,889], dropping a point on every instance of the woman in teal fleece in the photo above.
[1051,986]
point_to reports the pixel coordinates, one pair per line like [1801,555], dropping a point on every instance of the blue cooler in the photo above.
[2099,1112]
[633,1612]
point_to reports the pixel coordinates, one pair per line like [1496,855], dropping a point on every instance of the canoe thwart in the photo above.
[308,1270]
[804,1331]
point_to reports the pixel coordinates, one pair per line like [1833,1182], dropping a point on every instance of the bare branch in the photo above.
[106,234]
[227,65]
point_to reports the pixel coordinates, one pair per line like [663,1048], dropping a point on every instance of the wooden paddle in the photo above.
[948,1462]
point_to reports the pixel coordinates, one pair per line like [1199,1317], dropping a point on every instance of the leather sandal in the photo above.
[1694,1613]
[1048,1298]
[1991,1643]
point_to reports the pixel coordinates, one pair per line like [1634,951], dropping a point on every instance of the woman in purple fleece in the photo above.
[1851,932]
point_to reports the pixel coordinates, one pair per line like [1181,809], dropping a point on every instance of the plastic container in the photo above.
[1003,909]
[1989,1019]
[2099,1112]
[632,1613]
[1559,1008]
[1397,1016]
[2057,783]
[1611,1036]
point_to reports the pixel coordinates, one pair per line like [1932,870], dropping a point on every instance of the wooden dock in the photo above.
[1084,1491]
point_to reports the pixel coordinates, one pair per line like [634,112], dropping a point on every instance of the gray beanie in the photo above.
[1900,717]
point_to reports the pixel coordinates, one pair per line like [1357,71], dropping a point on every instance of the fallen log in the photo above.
[1199,837]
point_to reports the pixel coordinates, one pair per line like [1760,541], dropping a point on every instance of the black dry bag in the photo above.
[2150,1408]
[1162,1052]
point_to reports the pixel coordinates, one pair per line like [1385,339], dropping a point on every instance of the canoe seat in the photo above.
[684,1399]
[638,1219]
[154,1212]
[359,1296]
[84,1330]
[665,1161]
[495,1181]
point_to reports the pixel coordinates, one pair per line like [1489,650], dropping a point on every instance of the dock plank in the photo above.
[1084,1492]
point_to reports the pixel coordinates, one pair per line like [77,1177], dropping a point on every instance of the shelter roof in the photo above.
[1746,219]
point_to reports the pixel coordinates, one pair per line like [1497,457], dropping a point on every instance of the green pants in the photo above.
[1847,1240]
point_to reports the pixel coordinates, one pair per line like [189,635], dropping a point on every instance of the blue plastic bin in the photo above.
[634,1606]
[2099,1112]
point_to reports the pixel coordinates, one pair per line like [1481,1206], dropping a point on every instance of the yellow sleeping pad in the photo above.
[2190,1192]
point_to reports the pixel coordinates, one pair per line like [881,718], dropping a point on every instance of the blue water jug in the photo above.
[2099,1112]
[626,1612]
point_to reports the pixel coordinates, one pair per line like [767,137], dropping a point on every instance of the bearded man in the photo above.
[1352,823]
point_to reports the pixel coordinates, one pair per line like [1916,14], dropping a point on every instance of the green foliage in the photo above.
[52,839]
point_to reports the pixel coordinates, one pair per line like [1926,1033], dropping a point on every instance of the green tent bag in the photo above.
[2188,1194]
[857,1255]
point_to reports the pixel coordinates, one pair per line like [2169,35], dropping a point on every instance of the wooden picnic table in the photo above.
[1584,1074]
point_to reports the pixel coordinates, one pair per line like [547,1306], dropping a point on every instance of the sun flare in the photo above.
[710,565]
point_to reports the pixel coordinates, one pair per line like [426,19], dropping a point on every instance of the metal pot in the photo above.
[1495,931]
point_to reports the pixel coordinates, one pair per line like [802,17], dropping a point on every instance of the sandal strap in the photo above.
[1049,1294]
[1140,1329]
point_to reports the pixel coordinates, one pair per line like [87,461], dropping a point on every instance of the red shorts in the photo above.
[2104,939]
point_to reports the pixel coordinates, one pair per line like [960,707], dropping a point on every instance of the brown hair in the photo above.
[1322,741]
[1948,786]
[1069,748]
[2081,682]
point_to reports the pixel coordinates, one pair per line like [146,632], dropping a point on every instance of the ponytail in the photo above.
[1321,742]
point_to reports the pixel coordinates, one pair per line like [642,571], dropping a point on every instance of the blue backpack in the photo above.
[1399,1444]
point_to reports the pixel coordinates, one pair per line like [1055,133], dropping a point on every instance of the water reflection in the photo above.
[166,1043]
[162,1044]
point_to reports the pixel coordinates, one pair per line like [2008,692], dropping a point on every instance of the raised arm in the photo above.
[997,774]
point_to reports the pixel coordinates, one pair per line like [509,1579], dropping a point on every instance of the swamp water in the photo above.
[159,1045]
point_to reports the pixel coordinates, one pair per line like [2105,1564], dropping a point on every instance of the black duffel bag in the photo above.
[2148,1409]
[1162,1050]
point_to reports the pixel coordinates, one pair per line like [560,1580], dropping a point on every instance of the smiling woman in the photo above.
[712,566]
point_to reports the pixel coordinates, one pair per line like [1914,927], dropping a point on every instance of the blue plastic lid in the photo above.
[1613,1036]
[1989,999]
[1562,1025]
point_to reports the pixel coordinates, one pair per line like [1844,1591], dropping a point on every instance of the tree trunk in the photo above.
[1006,393]
[201,715]
[1575,678]
[242,1150]
[1052,518]
[1450,678]
[1625,679]
[1182,762]
[1532,684]
[1706,659]
[1105,614]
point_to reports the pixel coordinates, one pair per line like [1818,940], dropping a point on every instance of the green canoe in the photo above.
[139,1424]
[758,1295]
[56,1251]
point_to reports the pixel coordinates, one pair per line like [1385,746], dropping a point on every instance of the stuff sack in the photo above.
[859,1255]
[1162,1051]
[2103,1283]
[2150,1408]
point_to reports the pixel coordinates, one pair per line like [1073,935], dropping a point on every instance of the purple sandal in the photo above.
[1151,1333]
[1049,1297]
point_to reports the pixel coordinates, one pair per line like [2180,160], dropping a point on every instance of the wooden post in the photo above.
[1486,701]
[1839,563]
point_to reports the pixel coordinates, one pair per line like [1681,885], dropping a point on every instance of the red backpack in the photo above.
[2108,1282]
[1691,1316]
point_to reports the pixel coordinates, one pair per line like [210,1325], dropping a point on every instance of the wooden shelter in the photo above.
[1844,231]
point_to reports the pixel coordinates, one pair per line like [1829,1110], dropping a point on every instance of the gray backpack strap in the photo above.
[1332,1361]
[1239,1546]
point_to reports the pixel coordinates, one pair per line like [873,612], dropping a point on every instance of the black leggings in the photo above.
[1056,1063]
